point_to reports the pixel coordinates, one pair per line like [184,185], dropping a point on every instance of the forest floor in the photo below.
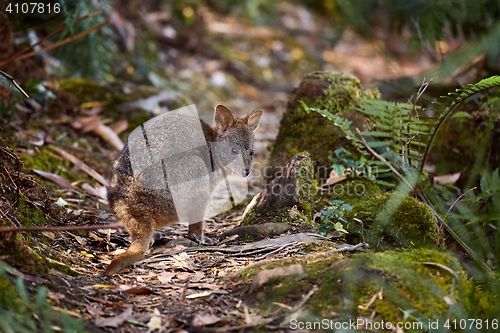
[176,288]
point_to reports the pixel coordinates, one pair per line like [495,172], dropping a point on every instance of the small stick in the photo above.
[13,81]
[349,248]
[305,298]
[274,251]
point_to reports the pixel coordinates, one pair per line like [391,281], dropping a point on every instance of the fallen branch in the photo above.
[115,225]
[65,41]
[18,54]
[348,248]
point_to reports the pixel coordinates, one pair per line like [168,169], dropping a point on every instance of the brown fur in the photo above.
[142,211]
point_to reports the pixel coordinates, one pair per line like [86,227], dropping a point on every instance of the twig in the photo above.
[361,229]
[458,199]
[13,81]
[305,298]
[372,300]
[349,248]
[272,252]
[454,277]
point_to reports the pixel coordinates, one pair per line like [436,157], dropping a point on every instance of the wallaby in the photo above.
[144,209]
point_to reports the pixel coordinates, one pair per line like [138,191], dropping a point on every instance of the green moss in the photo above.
[30,216]
[390,225]
[417,281]
[336,92]
[390,220]
[89,91]
[112,97]
[45,160]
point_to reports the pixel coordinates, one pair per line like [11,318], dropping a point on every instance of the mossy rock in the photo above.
[289,198]
[391,220]
[299,131]
[414,286]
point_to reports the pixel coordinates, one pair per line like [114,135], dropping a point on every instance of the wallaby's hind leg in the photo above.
[141,239]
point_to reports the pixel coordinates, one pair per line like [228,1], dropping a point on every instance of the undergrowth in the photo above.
[21,311]
[398,143]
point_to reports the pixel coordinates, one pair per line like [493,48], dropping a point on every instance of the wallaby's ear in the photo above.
[253,119]
[224,118]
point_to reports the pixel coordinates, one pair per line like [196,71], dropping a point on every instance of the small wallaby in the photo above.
[144,209]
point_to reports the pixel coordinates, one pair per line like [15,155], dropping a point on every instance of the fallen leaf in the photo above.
[270,274]
[204,319]
[198,276]
[447,179]
[182,260]
[61,202]
[136,290]
[166,277]
[155,321]
[200,295]
[95,124]
[88,255]
[116,320]
[119,126]
[55,178]
[80,164]
[79,239]
[109,135]
[41,136]
[100,191]
[334,178]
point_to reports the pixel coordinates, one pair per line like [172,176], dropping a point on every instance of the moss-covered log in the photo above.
[336,92]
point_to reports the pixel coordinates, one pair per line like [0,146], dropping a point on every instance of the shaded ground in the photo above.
[247,67]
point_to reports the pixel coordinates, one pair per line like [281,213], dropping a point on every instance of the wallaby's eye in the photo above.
[234,151]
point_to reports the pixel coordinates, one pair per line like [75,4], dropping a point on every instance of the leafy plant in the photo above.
[401,139]
[332,216]
[22,312]
[343,164]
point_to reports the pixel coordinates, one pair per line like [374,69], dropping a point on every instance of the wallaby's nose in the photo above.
[246,172]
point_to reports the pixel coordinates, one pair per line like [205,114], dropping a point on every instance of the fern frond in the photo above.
[457,98]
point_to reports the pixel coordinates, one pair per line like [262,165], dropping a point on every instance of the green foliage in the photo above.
[396,128]
[22,312]
[332,214]
[343,164]
[92,55]
[476,217]
[455,99]
[426,19]
[373,166]
[402,138]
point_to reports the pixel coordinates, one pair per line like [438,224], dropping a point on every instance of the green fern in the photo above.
[401,139]
[457,98]
[382,171]
[396,128]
